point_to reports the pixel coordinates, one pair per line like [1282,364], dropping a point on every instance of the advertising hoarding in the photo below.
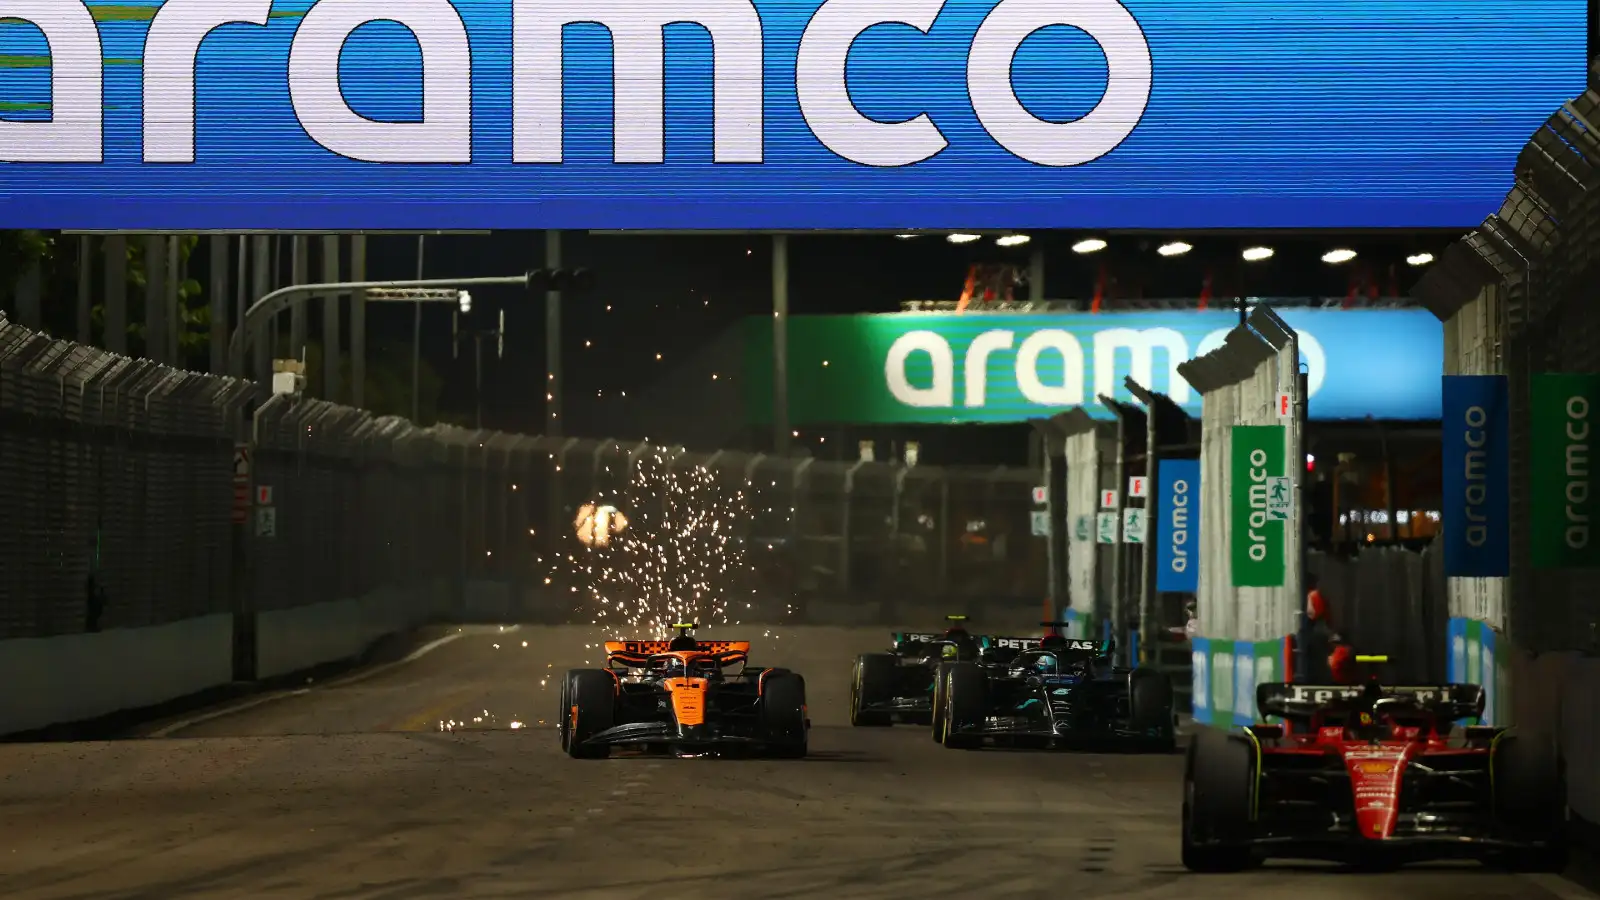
[953,368]
[1259,558]
[772,114]
[1178,526]
[1475,430]
[1563,503]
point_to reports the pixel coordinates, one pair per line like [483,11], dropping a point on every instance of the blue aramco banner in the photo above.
[1475,428]
[769,114]
[1178,525]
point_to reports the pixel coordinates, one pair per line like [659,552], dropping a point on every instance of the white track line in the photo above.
[252,703]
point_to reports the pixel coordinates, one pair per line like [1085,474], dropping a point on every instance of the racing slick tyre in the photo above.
[588,707]
[1218,792]
[1150,707]
[966,700]
[783,714]
[940,673]
[1530,802]
[874,682]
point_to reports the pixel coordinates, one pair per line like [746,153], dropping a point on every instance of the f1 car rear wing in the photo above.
[650,648]
[1449,702]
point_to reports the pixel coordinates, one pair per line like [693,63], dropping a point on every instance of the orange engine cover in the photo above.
[688,699]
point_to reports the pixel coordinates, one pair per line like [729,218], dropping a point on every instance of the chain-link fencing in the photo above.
[1515,297]
[138,495]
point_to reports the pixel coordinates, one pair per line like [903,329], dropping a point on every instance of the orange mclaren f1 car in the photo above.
[684,696]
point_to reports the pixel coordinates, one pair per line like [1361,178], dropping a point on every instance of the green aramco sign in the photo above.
[1562,503]
[1257,535]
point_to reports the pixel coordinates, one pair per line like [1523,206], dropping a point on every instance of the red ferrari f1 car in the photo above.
[1372,776]
[683,696]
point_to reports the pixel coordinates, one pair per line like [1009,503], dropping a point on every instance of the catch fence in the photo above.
[137,495]
[1516,299]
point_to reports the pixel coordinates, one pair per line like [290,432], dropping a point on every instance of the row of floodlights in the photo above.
[1172,248]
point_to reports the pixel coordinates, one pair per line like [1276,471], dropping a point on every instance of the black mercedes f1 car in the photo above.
[1052,692]
[897,686]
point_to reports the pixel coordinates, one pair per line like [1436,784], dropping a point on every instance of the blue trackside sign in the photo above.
[1477,495]
[1178,525]
[771,114]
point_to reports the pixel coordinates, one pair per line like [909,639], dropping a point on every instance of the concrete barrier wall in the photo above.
[1579,733]
[50,681]
[74,678]
[291,640]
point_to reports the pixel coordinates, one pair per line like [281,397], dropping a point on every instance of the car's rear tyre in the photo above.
[783,715]
[1219,785]
[874,682]
[588,707]
[1530,802]
[1150,708]
[966,701]
[936,718]
[936,708]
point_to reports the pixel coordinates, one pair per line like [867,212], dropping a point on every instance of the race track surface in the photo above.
[352,790]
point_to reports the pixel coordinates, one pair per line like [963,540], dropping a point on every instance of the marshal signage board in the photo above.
[1002,367]
[1476,434]
[769,114]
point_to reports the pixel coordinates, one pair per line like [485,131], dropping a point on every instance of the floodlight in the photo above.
[1335,257]
[1089,245]
[1419,259]
[1176,248]
[1257,254]
[1012,240]
[963,238]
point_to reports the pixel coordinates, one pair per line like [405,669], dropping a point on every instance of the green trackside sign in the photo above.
[1258,540]
[1562,503]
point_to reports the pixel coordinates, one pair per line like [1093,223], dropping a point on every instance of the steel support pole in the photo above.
[218,341]
[1117,616]
[116,288]
[780,344]
[85,285]
[332,340]
[1297,464]
[553,422]
[174,305]
[416,337]
[1055,480]
[1148,614]
[299,273]
[263,341]
[358,323]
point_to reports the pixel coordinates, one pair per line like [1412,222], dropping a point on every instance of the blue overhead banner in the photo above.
[772,114]
[1475,429]
[1178,525]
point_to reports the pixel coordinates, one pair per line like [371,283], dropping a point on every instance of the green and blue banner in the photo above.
[1225,676]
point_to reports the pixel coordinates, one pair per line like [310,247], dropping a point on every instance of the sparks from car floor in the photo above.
[678,559]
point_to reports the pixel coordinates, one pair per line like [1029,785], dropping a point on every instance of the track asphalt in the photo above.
[441,777]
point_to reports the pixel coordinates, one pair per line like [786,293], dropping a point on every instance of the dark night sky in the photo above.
[672,295]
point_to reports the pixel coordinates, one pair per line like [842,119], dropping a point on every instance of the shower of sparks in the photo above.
[678,559]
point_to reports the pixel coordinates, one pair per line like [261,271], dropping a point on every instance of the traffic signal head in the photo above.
[575,281]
